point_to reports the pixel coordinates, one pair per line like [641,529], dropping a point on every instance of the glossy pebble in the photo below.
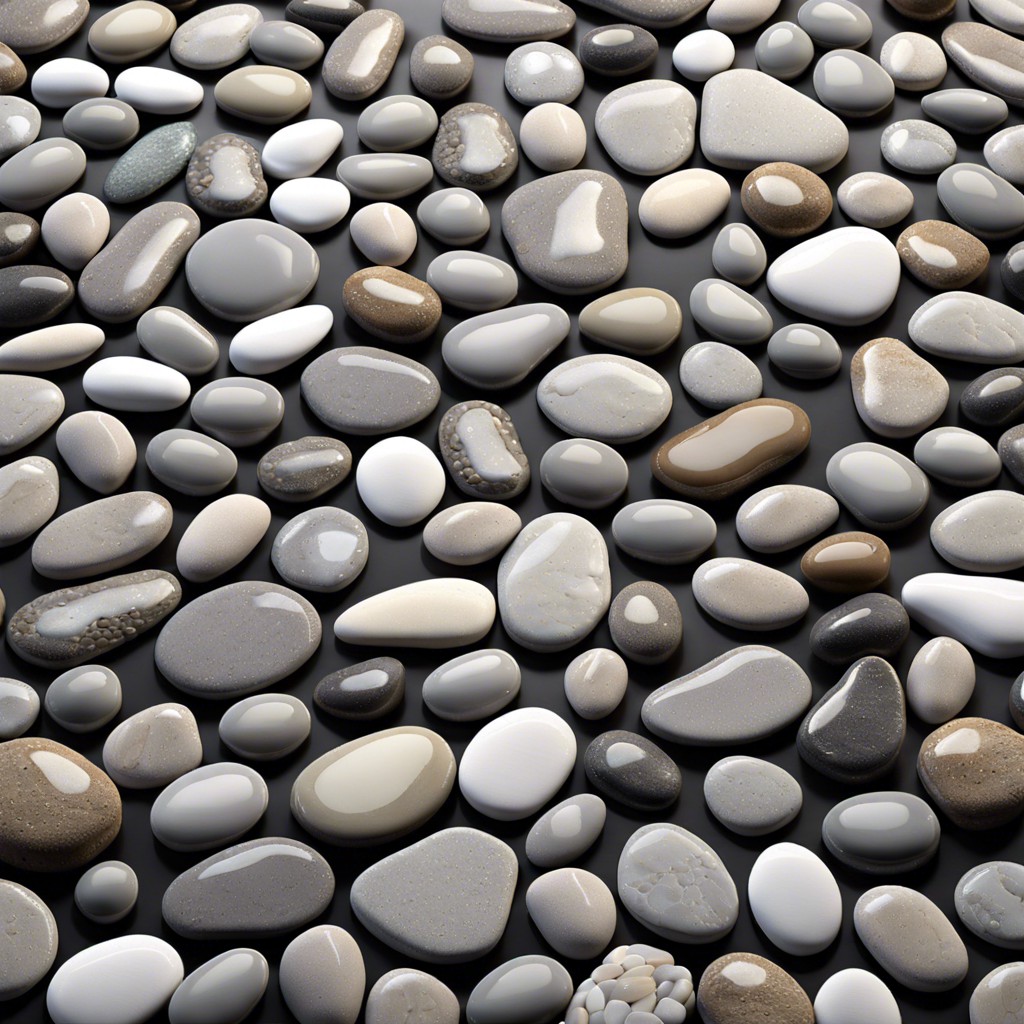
[472,686]
[751,797]
[265,727]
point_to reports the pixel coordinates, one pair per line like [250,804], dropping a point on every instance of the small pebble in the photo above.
[719,376]
[567,831]
[751,797]
[367,690]
[440,67]
[874,200]
[107,892]
[582,473]
[553,137]
[265,727]
[645,623]
[83,699]
[739,255]
[918,147]
[596,682]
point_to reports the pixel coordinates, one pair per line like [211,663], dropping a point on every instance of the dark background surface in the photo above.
[398,556]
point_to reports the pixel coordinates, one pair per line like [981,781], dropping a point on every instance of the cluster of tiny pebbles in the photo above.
[651,578]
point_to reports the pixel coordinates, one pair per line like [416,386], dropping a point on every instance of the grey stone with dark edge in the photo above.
[31,294]
[481,449]
[882,833]
[870,624]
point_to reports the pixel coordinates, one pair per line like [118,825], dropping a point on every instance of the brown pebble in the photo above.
[12,70]
[973,769]
[785,199]
[727,452]
[744,988]
[923,10]
[57,809]
[942,255]
[847,562]
[391,304]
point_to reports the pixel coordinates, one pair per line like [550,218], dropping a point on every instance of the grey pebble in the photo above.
[304,469]
[190,462]
[325,17]
[223,990]
[360,60]
[83,699]
[832,23]
[29,406]
[107,892]
[751,797]
[983,532]
[988,57]
[914,61]
[956,456]
[638,321]
[874,200]
[472,280]
[882,833]
[174,338]
[322,549]
[224,176]
[396,123]
[805,351]
[995,398]
[632,770]
[719,376]
[940,680]
[19,708]
[19,235]
[153,747]
[1001,987]
[471,532]
[74,229]
[918,147]
[265,726]
[33,294]
[966,110]
[728,313]
[323,968]
[738,254]
[367,690]
[1017,701]
[29,492]
[1004,14]
[853,84]
[564,833]
[1011,270]
[495,21]
[526,989]
[36,174]
[618,50]
[784,50]
[664,531]
[215,38]
[260,888]
[475,147]
[980,201]
[1011,451]
[746,694]
[37,25]
[868,624]
[1004,153]
[988,902]
[274,631]
[100,123]
[286,45]
[20,124]
[542,72]
[882,489]
[153,162]
[385,175]
[363,390]
[239,411]
[455,216]
[648,127]
[969,327]
[583,473]
[440,67]
[744,594]
[784,516]
[418,997]
[481,449]
[645,622]
[29,940]
[472,686]
[595,683]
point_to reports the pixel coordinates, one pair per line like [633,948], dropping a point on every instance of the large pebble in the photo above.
[982,533]
[1001,987]
[360,60]
[988,57]
[496,21]
[37,174]
[29,406]
[969,327]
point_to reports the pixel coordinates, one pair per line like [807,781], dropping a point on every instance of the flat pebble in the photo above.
[495,21]
[396,123]
[326,17]
[400,480]
[224,989]
[265,727]
[472,280]
[683,203]
[965,110]
[874,200]
[222,535]
[30,940]
[154,90]
[29,492]
[719,376]
[1001,987]
[385,175]
[784,516]
[969,327]
[638,321]
[285,45]
[700,55]
[190,462]
[586,474]
[882,833]
[596,682]
[391,304]
[64,81]
[408,991]
[277,341]
[475,147]
[566,831]
[131,31]
[472,686]
[305,469]
[805,351]
[153,747]
[724,994]
[987,902]
[19,708]
[647,127]
[83,699]
[645,623]
[751,797]
[980,201]
[746,595]
[301,149]
[364,691]
[631,770]
[440,67]
[529,987]
[542,72]
[101,124]
[471,532]
[215,38]
[323,967]
[982,532]
[239,411]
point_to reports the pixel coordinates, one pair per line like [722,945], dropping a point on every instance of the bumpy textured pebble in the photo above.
[481,449]
[30,940]
[475,147]
[987,901]
[734,984]
[153,162]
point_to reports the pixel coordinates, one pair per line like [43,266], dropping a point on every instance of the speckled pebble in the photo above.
[751,797]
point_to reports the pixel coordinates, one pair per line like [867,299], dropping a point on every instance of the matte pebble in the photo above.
[222,990]
[367,690]
[221,536]
[400,481]
[391,304]
[29,492]
[566,831]
[751,797]
[153,747]
[107,892]
[631,770]
[83,699]
[987,901]
[645,623]
[725,995]
[322,972]
[190,462]
[471,532]
[719,376]
[29,941]
[265,727]
[596,682]
[153,162]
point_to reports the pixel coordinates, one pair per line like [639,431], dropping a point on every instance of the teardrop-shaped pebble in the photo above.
[29,492]
[631,769]
[215,38]
[263,93]
[565,832]
[265,727]
[482,451]
[980,201]
[869,624]
[361,58]
[882,833]
[301,149]
[751,797]
[596,682]
[190,462]
[171,336]
[153,747]
[323,967]
[221,536]
[940,680]
[153,162]
[322,549]
[663,531]
[223,989]
[471,532]
[747,595]
[881,488]
[472,686]
[367,690]
[391,304]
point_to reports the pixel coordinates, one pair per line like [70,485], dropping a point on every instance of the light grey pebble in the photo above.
[36,174]
[305,469]
[472,874]
[20,124]
[496,21]
[784,516]
[286,45]
[542,72]
[969,327]
[215,38]
[74,229]
[940,680]
[980,201]
[728,313]
[322,549]
[239,411]
[475,147]
[455,216]
[734,17]
[223,990]
[751,797]
[664,531]
[265,727]
[881,488]
[360,60]
[30,935]
[527,988]
[190,462]
[260,888]
[915,62]
[853,84]
[584,473]
[568,231]
[481,449]
[882,833]
[784,50]
[741,696]
[645,622]
[102,536]
[567,831]
[440,67]
[29,492]
[918,147]
[648,127]
[174,338]
[472,280]
[363,390]
[29,406]
[1004,153]
[1005,14]
[833,23]
[210,806]
[83,699]
[958,457]
[665,857]
[101,123]
[19,708]
[274,631]
[225,178]
[396,123]
[554,582]
[608,398]
[221,536]
[153,747]
[748,595]
[471,532]
[418,996]
[988,57]
[983,532]
[1001,987]
[247,269]
[321,968]
[638,321]
[497,350]
[739,254]
[595,683]
[107,892]
[153,162]
[988,903]
[472,686]
[719,376]
[966,110]
[385,175]
[874,200]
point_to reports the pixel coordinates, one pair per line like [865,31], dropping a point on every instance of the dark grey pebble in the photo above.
[996,398]
[631,769]
[190,462]
[360,692]
[154,161]
[988,902]
[304,469]
[239,411]
[173,338]
[481,449]
[980,201]
[19,234]
[1011,271]
[225,177]
[475,147]
[855,732]
[263,887]
[325,17]
[440,67]
[1011,451]
[584,473]
[1017,701]
[616,50]
[31,294]
[107,892]
[101,123]
[322,549]
[526,988]
[882,833]
[805,351]
[645,622]
[869,624]
[966,110]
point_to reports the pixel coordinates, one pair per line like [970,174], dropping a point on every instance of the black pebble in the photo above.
[367,690]
[644,777]
[31,294]
[995,398]
[846,633]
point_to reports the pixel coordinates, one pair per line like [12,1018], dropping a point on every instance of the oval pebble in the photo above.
[440,67]
[531,987]
[473,281]
[107,892]
[215,38]
[995,398]
[322,549]
[857,990]
[361,58]
[472,686]
[471,532]
[19,708]
[645,623]
[719,376]
[725,992]
[746,595]
[553,137]
[190,462]
[880,487]
[664,531]
[982,532]
[385,175]
[75,228]
[751,797]
[956,456]
[367,690]
[987,902]
[224,989]
[101,123]
[455,216]
[596,682]
[83,699]
[239,411]
[543,72]
[874,200]
[940,681]
[630,769]
[980,201]
[304,469]
[265,727]
[154,90]
[567,831]
[586,474]
[784,516]
[222,535]
[805,351]
[29,492]
[684,203]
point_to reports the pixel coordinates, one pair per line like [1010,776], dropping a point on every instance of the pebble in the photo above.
[568,231]
[632,770]
[566,832]
[396,123]
[911,938]
[20,124]
[941,255]
[719,376]
[965,110]
[385,175]
[367,690]
[133,384]
[74,229]
[127,980]
[852,83]
[684,203]
[131,32]
[304,469]
[384,233]
[63,82]
[29,406]
[12,70]
[923,10]
[574,911]
[673,883]
[153,90]
[784,516]
[263,93]
[19,235]
[440,67]
[845,562]
[744,695]
[554,582]
[101,124]
[608,398]
[153,747]
[853,995]
[738,254]
[981,201]
[638,321]
[982,532]
[645,623]
[735,448]
[325,17]
[471,532]
[216,38]
[391,305]
[751,797]
[1010,452]
[400,481]
[1001,987]
[30,940]
[238,410]
[618,50]
[475,148]
[224,989]
[174,338]
[224,177]
[310,205]
[663,531]
[420,996]
[958,457]
[988,57]
[874,200]
[321,973]
[794,899]
[472,686]
[190,462]
[725,994]
[784,51]
[596,682]
[968,327]
[813,277]
[881,488]
[805,351]
[129,273]
[542,72]
[915,62]
[1011,271]
[19,709]
[454,216]
[472,280]
[586,474]
[301,149]
[271,269]
[63,812]
[872,624]
[1004,153]
[265,727]
[433,613]
[33,294]
[527,988]
[29,491]
[286,45]
[495,21]
[835,23]
[259,888]
[647,127]
[987,901]
[785,200]
[941,680]
[38,173]
[277,341]
[222,535]
[472,874]
[375,788]
[700,55]
[83,699]
[662,14]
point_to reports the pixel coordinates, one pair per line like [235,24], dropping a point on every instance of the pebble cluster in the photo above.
[200,524]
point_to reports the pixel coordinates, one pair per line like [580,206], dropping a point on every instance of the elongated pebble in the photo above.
[151,163]
[301,149]
[385,175]
[481,449]
[472,686]
[495,21]
[221,536]
[882,833]
[50,348]
[286,45]
[38,173]
[473,281]
[471,532]
[361,692]
[133,384]
[29,406]
[215,38]
[360,59]
[154,90]
[33,294]
[131,31]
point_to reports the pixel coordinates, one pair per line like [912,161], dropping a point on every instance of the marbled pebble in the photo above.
[987,902]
